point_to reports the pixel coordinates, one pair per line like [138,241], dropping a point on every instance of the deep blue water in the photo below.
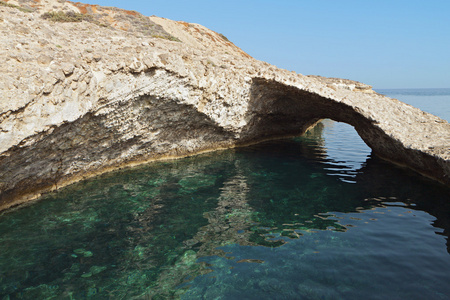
[315,217]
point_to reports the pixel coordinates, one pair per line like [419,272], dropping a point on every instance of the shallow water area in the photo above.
[315,217]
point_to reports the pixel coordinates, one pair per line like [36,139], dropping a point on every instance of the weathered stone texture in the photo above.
[79,99]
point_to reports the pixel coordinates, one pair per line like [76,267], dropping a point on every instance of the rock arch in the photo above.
[149,127]
[420,141]
[75,112]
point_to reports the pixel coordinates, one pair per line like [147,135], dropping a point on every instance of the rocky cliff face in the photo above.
[114,88]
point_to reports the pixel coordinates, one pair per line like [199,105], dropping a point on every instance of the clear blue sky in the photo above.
[384,43]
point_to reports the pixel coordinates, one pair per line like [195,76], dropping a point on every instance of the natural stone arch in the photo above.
[70,114]
[277,109]
[149,127]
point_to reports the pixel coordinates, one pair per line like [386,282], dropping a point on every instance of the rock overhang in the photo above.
[111,81]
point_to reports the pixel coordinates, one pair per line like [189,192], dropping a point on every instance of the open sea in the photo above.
[313,217]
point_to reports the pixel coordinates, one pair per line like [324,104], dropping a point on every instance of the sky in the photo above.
[383,43]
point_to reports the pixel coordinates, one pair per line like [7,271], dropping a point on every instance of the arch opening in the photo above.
[278,110]
[343,152]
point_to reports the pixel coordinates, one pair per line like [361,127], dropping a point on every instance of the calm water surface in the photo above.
[316,217]
[434,101]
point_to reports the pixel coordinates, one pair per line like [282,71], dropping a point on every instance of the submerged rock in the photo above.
[83,252]
[117,89]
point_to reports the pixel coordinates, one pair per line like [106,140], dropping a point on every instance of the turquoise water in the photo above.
[316,217]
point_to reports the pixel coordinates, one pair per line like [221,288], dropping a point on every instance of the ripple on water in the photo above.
[311,217]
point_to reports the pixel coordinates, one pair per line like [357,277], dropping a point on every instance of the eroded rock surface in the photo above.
[81,98]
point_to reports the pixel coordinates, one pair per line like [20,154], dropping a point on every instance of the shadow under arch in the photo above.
[278,110]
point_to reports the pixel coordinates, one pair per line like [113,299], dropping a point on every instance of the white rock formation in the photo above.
[81,98]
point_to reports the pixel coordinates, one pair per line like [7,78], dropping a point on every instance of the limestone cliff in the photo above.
[86,89]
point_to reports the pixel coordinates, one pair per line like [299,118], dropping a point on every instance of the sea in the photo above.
[312,217]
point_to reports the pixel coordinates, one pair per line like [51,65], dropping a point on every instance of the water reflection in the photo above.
[234,223]
[344,152]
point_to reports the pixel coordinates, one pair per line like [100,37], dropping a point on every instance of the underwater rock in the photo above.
[83,252]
